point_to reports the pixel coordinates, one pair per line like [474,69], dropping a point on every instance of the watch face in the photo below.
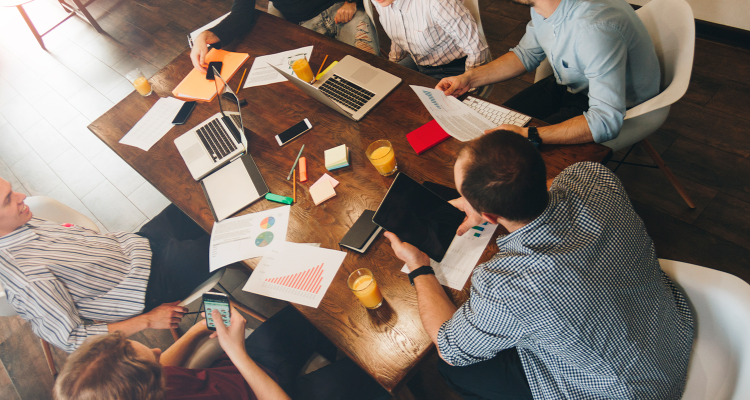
[535,142]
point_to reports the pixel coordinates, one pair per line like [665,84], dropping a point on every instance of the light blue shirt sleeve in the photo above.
[529,51]
[479,329]
[603,52]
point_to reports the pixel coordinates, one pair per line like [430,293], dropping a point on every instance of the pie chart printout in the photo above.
[267,222]
[264,239]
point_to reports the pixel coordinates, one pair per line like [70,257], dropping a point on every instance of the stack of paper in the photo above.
[322,190]
[337,157]
[196,87]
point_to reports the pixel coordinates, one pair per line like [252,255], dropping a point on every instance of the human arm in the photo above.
[345,13]
[178,352]
[572,131]
[472,218]
[505,67]
[239,21]
[165,316]
[232,340]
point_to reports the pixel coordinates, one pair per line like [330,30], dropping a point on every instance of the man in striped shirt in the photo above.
[574,304]
[71,283]
[438,38]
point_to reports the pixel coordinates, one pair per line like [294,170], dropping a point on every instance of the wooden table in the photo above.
[387,343]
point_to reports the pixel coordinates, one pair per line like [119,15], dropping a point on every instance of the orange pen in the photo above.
[302,169]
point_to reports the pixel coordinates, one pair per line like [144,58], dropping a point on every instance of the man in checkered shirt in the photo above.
[573,305]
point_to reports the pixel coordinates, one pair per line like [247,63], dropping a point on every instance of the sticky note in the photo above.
[326,177]
[337,157]
[321,191]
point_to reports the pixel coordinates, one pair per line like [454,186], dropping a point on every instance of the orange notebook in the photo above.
[195,87]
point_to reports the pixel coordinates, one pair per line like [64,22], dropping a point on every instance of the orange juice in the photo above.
[363,285]
[142,86]
[382,157]
[302,68]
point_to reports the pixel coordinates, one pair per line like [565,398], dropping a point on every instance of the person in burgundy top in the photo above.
[266,365]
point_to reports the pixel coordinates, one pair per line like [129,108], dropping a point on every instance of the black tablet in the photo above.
[419,217]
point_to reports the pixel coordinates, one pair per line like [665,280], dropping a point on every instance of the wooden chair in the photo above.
[76,9]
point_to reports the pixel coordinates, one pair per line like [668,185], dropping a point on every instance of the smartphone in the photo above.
[216,301]
[293,132]
[210,70]
[184,113]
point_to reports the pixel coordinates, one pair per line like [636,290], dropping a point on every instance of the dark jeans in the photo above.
[548,101]
[179,261]
[501,377]
[453,68]
[285,342]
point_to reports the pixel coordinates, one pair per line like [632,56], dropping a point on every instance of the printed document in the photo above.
[462,256]
[247,236]
[295,272]
[455,117]
[154,125]
[262,74]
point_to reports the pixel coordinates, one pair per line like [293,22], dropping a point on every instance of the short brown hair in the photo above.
[106,368]
[505,175]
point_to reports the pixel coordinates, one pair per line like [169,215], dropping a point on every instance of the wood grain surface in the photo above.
[389,342]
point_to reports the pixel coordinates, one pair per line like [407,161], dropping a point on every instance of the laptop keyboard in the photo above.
[496,114]
[216,140]
[345,92]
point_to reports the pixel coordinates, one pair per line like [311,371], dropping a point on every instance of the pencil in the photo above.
[321,65]
[243,77]
[288,177]
[294,186]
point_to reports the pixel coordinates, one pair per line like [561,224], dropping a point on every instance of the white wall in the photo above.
[734,13]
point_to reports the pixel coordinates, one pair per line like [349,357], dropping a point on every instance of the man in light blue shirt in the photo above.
[603,63]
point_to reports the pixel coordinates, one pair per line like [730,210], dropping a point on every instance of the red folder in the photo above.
[426,136]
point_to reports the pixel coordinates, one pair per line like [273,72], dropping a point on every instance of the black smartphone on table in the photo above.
[210,70]
[293,132]
[216,301]
[184,113]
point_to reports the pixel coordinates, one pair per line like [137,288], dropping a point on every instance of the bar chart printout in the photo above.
[295,272]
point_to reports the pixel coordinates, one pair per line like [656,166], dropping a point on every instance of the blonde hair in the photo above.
[106,367]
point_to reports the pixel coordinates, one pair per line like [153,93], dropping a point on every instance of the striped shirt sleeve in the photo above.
[53,315]
[457,22]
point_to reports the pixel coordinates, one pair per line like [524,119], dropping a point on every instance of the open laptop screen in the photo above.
[228,102]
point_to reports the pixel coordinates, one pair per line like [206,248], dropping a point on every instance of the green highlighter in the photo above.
[279,199]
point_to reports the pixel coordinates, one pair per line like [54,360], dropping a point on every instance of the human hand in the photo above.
[200,49]
[472,217]
[454,85]
[513,128]
[232,338]
[345,13]
[165,316]
[412,256]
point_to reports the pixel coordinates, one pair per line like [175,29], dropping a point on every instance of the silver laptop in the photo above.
[218,140]
[352,87]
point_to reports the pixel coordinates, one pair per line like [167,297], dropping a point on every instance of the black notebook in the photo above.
[362,233]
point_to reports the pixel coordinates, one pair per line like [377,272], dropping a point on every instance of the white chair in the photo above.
[50,209]
[719,366]
[473,6]
[671,25]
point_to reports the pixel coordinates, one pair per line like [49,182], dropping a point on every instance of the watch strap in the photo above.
[423,270]
[533,136]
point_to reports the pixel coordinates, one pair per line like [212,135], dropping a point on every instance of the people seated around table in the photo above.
[603,63]
[574,304]
[71,283]
[345,21]
[438,38]
[266,365]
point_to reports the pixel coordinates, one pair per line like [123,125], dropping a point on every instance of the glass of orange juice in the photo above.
[302,68]
[363,285]
[382,156]
[139,81]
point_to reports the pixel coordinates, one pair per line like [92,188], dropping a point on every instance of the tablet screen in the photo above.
[419,217]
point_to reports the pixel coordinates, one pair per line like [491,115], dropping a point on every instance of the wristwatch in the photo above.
[423,270]
[533,136]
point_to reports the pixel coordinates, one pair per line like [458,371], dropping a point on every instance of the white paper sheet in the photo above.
[247,236]
[462,256]
[154,125]
[195,33]
[455,117]
[262,74]
[295,272]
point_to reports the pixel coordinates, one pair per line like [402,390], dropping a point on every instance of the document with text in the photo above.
[455,117]
[262,74]
[462,256]
[154,125]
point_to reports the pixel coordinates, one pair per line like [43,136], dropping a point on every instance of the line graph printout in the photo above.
[462,256]
[247,236]
[295,272]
